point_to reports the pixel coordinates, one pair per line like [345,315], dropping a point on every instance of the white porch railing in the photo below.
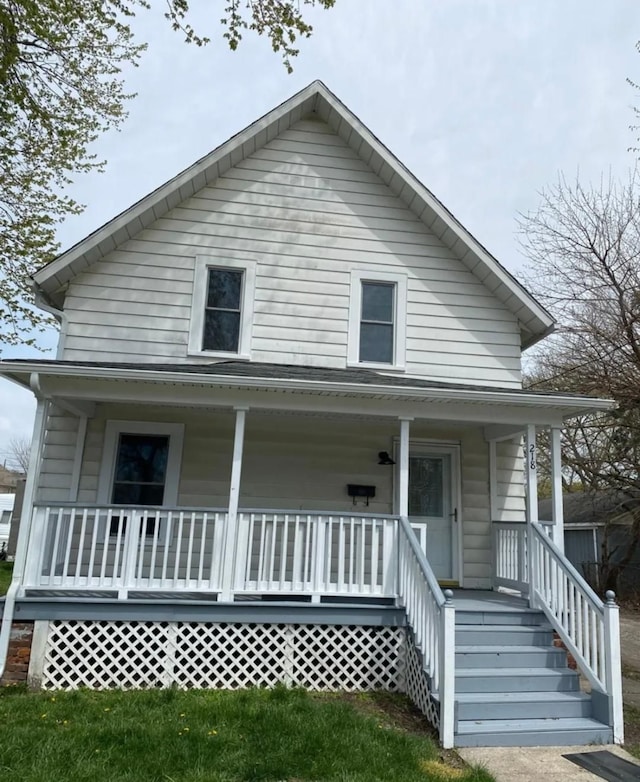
[315,553]
[125,548]
[431,615]
[143,548]
[510,566]
[588,627]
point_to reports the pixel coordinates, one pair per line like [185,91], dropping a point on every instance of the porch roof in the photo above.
[49,376]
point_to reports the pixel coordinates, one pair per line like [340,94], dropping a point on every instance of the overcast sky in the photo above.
[485,101]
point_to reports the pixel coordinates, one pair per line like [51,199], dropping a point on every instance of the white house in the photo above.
[285,412]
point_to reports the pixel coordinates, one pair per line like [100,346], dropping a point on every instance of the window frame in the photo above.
[399,281]
[199,301]
[112,432]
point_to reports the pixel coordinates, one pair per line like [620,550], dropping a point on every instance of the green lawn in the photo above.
[632,730]
[6,568]
[211,736]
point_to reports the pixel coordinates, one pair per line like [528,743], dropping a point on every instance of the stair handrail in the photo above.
[431,616]
[588,627]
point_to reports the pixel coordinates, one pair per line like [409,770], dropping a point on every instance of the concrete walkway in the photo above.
[529,764]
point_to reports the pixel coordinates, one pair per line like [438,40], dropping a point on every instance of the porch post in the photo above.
[557,512]
[532,505]
[25,553]
[403,491]
[230,537]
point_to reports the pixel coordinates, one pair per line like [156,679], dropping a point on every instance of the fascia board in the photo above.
[570,405]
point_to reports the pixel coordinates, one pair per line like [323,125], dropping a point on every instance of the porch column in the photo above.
[231,531]
[403,490]
[23,566]
[532,503]
[557,511]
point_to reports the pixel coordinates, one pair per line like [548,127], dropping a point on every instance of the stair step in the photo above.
[486,656]
[516,680]
[507,635]
[531,732]
[522,705]
[523,617]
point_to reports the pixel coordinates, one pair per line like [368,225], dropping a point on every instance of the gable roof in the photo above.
[535,322]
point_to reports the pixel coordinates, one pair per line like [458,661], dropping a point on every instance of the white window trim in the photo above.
[112,432]
[247,297]
[358,276]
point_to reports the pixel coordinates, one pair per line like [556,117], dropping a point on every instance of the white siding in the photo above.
[510,481]
[290,462]
[308,211]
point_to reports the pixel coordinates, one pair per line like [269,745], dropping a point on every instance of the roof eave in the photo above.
[25,372]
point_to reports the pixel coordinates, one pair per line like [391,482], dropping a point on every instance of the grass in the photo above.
[632,730]
[6,569]
[210,736]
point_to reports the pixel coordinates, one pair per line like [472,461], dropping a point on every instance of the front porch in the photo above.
[395,489]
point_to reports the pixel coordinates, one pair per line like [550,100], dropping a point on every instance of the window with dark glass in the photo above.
[139,476]
[141,469]
[377,322]
[222,310]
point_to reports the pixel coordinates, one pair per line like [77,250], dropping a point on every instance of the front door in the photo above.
[433,511]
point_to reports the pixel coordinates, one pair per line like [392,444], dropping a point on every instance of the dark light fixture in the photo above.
[384,458]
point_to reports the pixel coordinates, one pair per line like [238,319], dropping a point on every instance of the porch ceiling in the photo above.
[292,388]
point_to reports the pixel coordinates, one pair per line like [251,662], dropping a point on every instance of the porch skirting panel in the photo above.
[134,655]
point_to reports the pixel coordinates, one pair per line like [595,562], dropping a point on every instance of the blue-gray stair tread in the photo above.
[516,680]
[525,617]
[507,697]
[522,705]
[531,733]
[508,635]
[483,656]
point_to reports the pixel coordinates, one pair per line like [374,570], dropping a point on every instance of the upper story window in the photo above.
[222,308]
[377,320]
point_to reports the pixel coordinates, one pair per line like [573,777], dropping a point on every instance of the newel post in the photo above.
[447,670]
[612,662]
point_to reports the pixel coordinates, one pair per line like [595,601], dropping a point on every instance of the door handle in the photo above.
[455,515]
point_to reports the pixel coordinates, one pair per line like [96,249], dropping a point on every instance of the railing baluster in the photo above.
[176,564]
[154,549]
[83,530]
[203,549]
[190,552]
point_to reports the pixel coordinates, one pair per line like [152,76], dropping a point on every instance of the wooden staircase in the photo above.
[512,686]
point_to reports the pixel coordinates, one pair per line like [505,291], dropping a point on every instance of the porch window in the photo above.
[222,308]
[141,470]
[140,466]
[377,320]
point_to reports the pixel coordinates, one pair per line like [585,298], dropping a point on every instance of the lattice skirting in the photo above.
[416,683]
[135,655]
[132,655]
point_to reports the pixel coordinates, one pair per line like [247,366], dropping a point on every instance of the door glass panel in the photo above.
[426,486]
